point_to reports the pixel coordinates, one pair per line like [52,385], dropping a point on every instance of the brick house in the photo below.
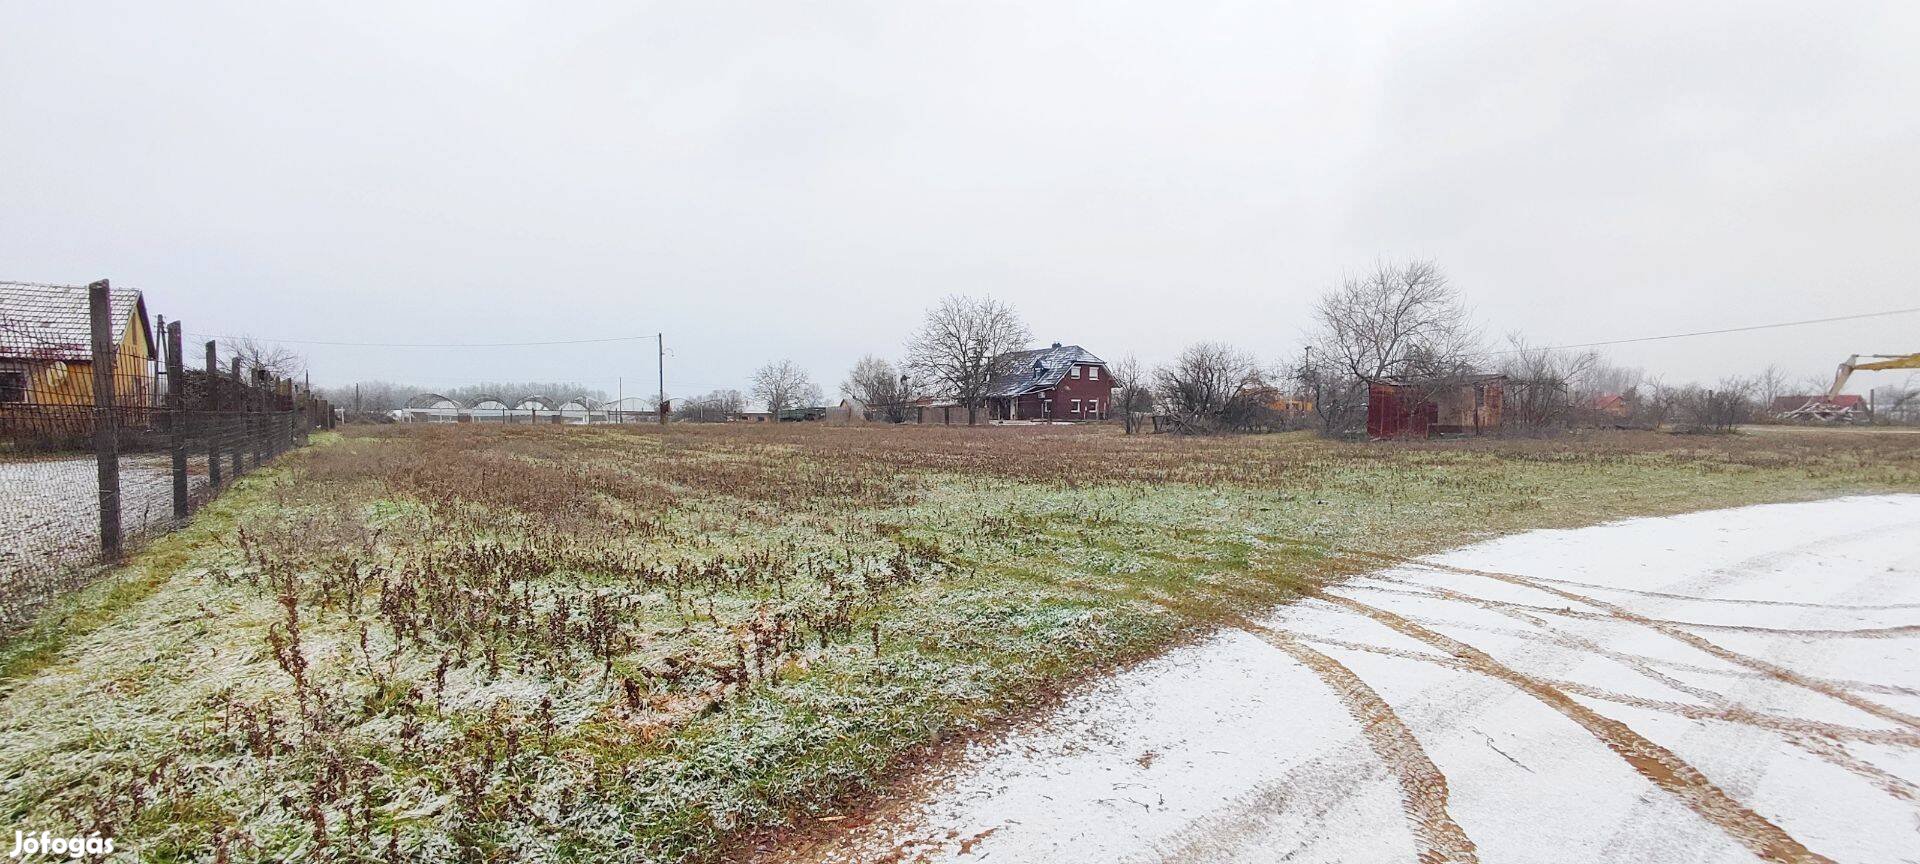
[1061,383]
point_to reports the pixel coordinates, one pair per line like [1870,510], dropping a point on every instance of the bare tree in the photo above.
[783,386]
[257,356]
[512,392]
[963,344]
[1132,391]
[1211,387]
[1398,321]
[1338,398]
[876,383]
[1772,384]
[1897,404]
[1540,384]
[367,399]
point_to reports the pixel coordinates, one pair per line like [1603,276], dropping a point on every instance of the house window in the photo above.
[1074,408]
[1093,407]
[1093,373]
[1076,371]
[13,385]
[1046,406]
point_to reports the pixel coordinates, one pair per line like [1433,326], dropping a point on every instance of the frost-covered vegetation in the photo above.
[505,643]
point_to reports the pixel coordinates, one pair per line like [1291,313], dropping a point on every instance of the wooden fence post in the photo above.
[106,439]
[239,422]
[177,419]
[213,418]
[259,405]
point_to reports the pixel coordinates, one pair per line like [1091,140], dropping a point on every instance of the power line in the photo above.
[654,336]
[1775,326]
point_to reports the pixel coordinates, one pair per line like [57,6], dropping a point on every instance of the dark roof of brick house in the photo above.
[1039,369]
[50,322]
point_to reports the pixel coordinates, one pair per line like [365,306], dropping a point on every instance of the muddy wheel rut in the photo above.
[1423,789]
[1656,763]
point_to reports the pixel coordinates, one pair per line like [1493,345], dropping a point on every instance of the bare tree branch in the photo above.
[962,346]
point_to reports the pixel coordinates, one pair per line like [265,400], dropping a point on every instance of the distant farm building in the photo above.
[1061,383]
[436,408]
[850,412]
[632,409]
[488,408]
[933,411]
[576,410]
[430,408]
[1456,405]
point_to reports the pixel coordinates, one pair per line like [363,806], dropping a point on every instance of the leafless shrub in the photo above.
[1720,408]
[1339,400]
[876,383]
[1540,382]
[1899,403]
[716,407]
[1132,391]
[1212,387]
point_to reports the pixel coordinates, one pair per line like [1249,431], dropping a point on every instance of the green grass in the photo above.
[759,623]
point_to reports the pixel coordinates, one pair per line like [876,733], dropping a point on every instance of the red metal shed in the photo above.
[1468,405]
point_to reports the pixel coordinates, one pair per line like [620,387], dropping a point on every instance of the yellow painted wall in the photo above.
[132,374]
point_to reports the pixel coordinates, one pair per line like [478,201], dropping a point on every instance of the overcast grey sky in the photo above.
[761,180]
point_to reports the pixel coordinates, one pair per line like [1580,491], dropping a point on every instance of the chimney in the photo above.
[1056,344]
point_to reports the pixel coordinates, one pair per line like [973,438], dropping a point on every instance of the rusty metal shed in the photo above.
[1423,408]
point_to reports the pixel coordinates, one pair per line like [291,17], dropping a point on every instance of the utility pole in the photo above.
[660,339]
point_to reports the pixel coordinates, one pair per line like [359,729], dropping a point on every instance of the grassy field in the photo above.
[634,644]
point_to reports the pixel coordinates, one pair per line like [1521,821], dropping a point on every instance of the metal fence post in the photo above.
[177,418]
[106,439]
[213,419]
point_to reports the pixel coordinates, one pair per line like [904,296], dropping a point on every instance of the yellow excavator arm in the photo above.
[1876,361]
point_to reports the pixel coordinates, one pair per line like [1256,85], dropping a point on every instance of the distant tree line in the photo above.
[1399,323]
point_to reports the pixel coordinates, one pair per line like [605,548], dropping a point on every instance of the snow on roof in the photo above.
[50,322]
[1039,368]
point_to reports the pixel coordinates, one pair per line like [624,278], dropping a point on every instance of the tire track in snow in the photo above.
[1742,672]
[1652,761]
[1733,601]
[1423,789]
[1417,589]
[1795,731]
[1818,686]
[1785,725]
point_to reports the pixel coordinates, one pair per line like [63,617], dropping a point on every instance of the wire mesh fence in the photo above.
[108,438]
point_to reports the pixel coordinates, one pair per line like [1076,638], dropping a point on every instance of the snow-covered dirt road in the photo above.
[1720,686]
